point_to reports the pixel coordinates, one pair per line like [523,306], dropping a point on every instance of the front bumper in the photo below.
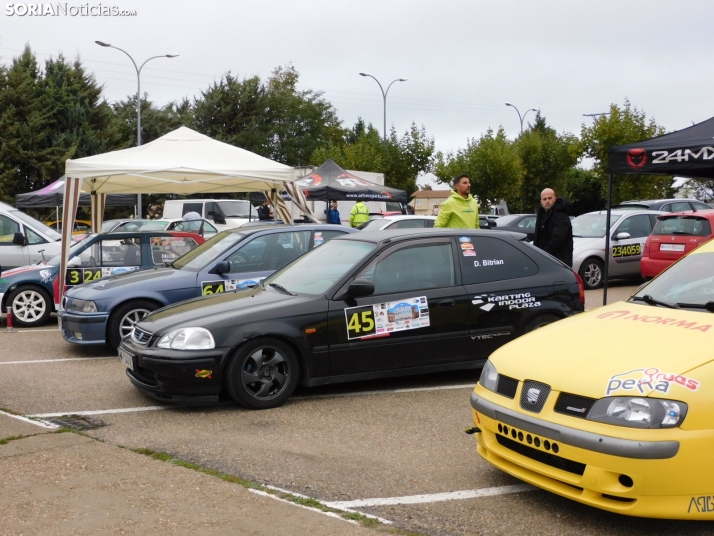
[648,473]
[88,328]
[182,377]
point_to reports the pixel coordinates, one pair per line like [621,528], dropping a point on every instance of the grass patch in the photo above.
[365,521]
[11,412]
[6,440]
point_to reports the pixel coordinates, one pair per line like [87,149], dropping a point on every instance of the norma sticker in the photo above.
[383,318]
[627,251]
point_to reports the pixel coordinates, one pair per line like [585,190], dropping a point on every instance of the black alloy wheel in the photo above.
[262,374]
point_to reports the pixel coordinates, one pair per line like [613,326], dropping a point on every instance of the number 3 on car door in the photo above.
[360,322]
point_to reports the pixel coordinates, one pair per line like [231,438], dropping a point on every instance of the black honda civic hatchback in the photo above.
[364,306]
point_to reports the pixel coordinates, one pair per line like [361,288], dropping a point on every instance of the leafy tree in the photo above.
[585,190]
[493,164]
[155,121]
[622,126]
[400,159]
[547,159]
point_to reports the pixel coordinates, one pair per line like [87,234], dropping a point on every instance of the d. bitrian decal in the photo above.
[654,319]
[649,379]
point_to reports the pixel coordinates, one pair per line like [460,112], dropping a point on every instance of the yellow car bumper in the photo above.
[648,473]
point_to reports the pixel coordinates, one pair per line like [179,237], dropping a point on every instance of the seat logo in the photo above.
[532,395]
[636,158]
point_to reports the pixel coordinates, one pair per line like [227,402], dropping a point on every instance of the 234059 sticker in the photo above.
[629,250]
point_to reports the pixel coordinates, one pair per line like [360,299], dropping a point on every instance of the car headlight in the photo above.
[489,377]
[187,339]
[638,412]
[84,306]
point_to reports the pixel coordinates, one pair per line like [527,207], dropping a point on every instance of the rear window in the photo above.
[682,225]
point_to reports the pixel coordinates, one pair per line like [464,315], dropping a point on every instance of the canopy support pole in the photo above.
[606,266]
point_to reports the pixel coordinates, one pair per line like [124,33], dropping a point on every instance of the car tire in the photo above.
[123,318]
[540,321]
[262,374]
[591,272]
[31,306]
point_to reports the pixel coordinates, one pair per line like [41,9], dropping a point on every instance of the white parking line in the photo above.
[380,519]
[329,514]
[34,361]
[336,395]
[41,424]
[30,330]
[434,497]
[101,411]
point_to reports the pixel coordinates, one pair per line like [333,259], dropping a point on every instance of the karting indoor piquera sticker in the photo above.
[381,319]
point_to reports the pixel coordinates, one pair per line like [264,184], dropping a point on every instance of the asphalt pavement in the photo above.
[393,449]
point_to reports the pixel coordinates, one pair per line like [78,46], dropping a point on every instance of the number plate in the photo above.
[127,359]
[671,247]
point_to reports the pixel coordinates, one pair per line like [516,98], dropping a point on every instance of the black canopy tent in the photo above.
[52,195]
[686,153]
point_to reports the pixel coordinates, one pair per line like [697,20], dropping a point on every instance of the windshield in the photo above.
[506,220]
[322,267]
[38,225]
[682,225]
[237,209]
[592,225]
[198,258]
[74,250]
[689,281]
[130,226]
[374,225]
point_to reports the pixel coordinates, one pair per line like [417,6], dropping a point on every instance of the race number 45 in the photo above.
[360,322]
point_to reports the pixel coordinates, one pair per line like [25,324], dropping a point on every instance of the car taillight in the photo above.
[581,287]
[646,252]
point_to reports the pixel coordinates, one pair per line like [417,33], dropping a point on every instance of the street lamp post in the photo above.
[384,97]
[519,113]
[138,101]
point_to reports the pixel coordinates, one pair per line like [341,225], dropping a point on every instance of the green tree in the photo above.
[623,126]
[155,121]
[492,162]
[273,119]
[401,160]
[546,158]
[585,190]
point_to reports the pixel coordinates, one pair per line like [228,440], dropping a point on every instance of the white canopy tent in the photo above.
[180,162]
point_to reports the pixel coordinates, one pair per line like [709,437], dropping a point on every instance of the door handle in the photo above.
[446,303]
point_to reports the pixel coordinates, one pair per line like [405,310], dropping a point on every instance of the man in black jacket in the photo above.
[553,232]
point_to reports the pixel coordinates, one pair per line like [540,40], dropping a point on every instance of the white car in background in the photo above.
[398,222]
[629,230]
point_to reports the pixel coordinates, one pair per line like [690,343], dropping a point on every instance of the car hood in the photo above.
[251,305]
[7,274]
[618,350]
[156,279]
[580,242]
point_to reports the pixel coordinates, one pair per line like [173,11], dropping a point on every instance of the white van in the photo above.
[24,240]
[224,213]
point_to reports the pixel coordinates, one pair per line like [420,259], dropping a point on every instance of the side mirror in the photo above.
[221,267]
[19,239]
[622,236]
[359,288]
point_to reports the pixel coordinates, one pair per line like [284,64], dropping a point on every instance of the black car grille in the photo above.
[574,405]
[543,457]
[534,395]
[144,375]
[506,386]
[139,336]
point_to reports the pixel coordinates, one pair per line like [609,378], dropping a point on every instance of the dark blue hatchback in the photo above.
[106,311]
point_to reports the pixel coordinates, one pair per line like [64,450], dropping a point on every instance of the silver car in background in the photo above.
[629,230]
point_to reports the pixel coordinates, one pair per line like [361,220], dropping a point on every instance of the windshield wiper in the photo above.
[282,289]
[649,300]
[709,306]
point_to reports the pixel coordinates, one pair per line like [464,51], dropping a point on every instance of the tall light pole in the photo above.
[384,96]
[138,101]
[519,113]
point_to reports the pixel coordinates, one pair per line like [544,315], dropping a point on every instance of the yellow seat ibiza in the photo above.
[613,408]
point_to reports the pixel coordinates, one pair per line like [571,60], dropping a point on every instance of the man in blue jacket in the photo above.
[333,215]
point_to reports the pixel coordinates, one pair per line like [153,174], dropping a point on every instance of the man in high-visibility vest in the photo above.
[460,210]
[359,214]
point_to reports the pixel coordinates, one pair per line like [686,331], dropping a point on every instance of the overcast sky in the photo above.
[463,59]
